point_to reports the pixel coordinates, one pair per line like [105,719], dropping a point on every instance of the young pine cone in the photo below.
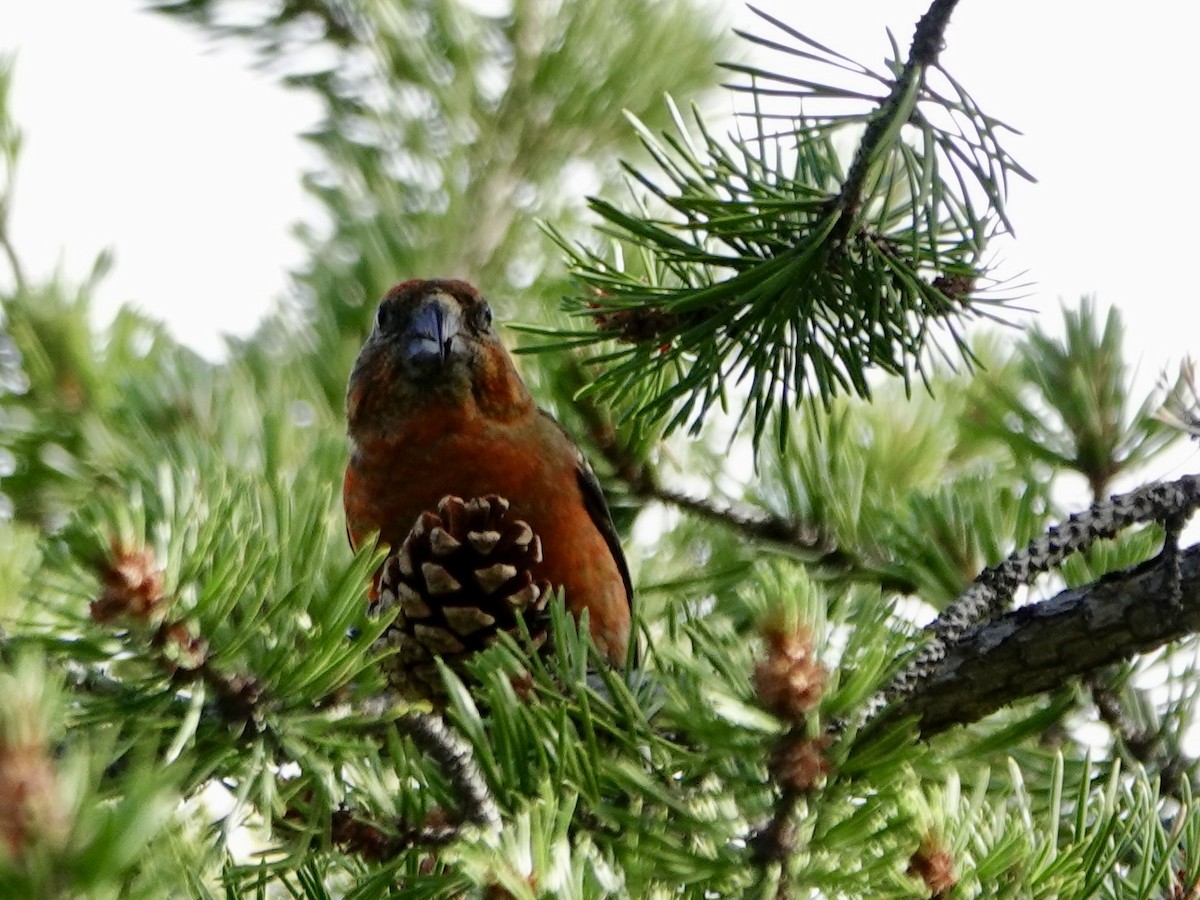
[460,578]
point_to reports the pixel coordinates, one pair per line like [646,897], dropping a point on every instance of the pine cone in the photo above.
[461,577]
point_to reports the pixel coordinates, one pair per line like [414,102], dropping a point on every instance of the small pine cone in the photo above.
[933,864]
[461,577]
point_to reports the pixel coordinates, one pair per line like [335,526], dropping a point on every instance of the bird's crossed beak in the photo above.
[432,330]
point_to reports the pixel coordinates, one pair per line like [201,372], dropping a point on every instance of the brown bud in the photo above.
[133,587]
[934,865]
[800,763]
[181,649]
[31,807]
[790,681]
[640,324]
[956,287]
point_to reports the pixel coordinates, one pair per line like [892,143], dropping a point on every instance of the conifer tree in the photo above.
[875,640]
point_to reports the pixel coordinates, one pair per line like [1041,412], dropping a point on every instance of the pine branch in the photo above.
[376,842]
[981,660]
[1034,649]
[642,480]
[133,593]
[1144,745]
[786,277]
[453,754]
[1170,503]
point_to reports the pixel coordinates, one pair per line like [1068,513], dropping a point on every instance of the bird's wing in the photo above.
[597,508]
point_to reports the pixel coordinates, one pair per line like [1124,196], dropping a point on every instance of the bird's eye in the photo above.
[383,316]
[484,317]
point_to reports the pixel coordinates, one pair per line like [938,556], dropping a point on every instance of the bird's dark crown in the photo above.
[402,301]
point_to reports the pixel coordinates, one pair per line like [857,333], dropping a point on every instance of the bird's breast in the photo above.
[392,479]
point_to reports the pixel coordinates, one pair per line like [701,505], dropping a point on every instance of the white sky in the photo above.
[142,137]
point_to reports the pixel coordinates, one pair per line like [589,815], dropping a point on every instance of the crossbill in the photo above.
[436,407]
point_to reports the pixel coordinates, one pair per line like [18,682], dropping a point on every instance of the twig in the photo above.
[753,524]
[1142,744]
[453,754]
[774,842]
[809,541]
[799,764]
[926,45]
[379,843]
[643,482]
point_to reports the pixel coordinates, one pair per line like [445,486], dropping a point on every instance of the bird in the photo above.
[436,408]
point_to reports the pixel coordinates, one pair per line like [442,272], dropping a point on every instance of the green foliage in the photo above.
[766,262]
[190,699]
[1093,838]
[1068,407]
[64,836]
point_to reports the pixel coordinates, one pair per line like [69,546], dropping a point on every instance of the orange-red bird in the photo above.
[436,407]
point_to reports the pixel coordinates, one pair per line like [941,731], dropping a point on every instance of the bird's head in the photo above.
[432,341]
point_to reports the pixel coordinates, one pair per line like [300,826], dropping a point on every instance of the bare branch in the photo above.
[1036,648]
[1168,502]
